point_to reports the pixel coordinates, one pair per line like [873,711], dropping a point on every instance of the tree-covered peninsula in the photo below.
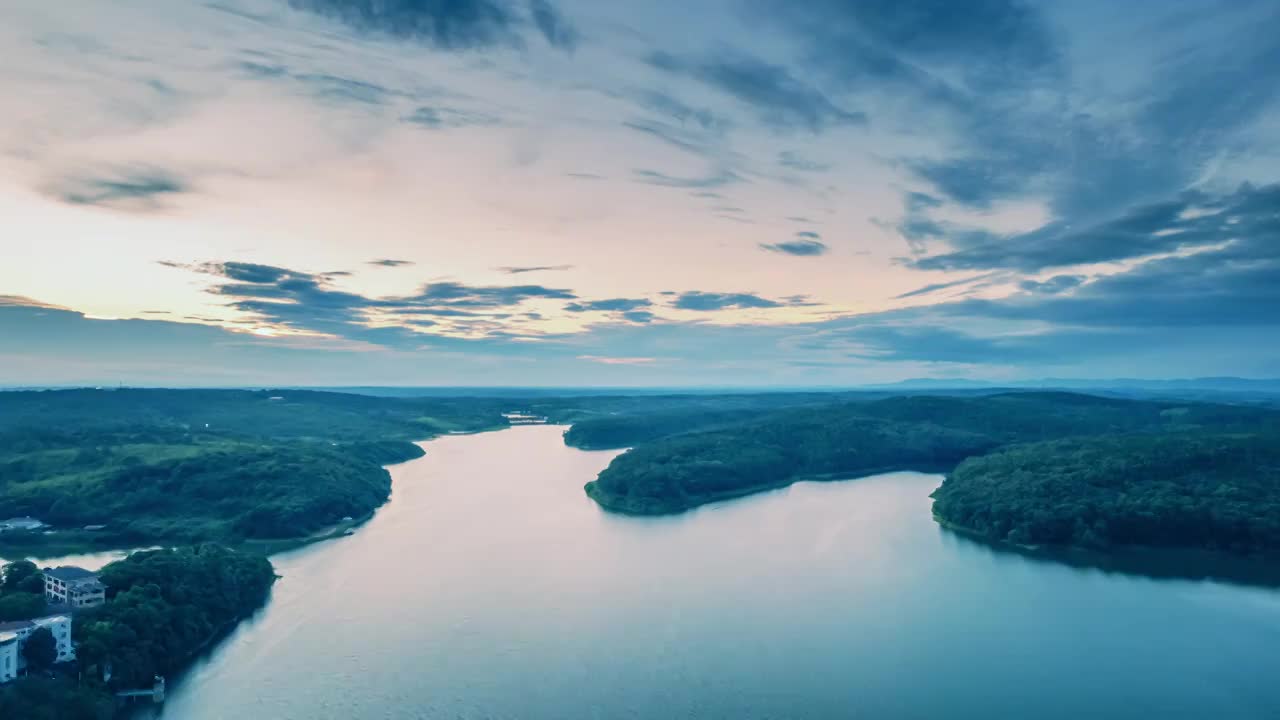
[162,608]
[929,433]
[1200,490]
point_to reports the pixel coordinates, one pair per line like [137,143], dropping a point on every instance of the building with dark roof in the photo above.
[73,586]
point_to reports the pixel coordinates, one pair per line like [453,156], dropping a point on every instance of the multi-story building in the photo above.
[9,656]
[13,635]
[73,586]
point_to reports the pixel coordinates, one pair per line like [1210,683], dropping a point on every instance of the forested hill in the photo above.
[276,414]
[681,471]
[197,465]
[1197,490]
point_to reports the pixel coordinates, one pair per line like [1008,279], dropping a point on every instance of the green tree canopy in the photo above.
[15,573]
[40,649]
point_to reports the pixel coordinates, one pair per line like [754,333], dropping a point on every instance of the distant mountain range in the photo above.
[1219,384]
[1182,385]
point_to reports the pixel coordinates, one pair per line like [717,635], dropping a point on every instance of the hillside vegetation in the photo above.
[200,465]
[933,433]
[1196,490]
[163,607]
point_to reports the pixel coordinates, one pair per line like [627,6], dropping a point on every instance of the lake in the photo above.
[491,587]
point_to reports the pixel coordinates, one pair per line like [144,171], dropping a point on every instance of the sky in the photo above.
[594,192]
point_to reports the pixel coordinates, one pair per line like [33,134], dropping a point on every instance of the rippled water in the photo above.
[491,587]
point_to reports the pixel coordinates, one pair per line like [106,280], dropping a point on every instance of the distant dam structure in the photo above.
[521,417]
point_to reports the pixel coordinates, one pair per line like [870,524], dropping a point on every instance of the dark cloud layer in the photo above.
[308,302]
[1190,220]
[709,301]
[451,24]
[610,305]
[999,77]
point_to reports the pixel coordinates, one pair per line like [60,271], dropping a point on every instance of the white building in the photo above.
[9,656]
[13,635]
[73,586]
[20,523]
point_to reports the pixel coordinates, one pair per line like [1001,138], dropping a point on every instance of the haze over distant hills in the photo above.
[1218,384]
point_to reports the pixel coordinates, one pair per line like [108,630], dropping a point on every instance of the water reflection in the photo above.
[1153,563]
[492,587]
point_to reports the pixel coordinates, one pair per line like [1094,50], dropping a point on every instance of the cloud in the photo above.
[610,305]
[437,118]
[334,88]
[449,24]
[1191,220]
[618,360]
[26,302]
[805,244]
[456,294]
[709,301]
[522,269]
[249,272]
[780,99]
[557,30]
[717,178]
[638,316]
[309,303]
[1052,286]
[138,188]
[999,85]
[388,263]
[934,287]
[690,117]
[792,160]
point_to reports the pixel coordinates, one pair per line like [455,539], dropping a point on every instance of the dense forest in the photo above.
[163,606]
[234,465]
[1200,490]
[21,591]
[683,471]
[686,469]
[142,465]
[204,465]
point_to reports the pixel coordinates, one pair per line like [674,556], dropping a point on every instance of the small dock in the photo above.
[155,693]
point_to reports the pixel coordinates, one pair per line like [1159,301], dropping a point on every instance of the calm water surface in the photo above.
[491,587]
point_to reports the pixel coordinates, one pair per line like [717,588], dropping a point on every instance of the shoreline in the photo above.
[83,542]
[1182,563]
[611,503]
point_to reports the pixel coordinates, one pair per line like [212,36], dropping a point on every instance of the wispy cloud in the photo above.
[711,301]
[453,24]
[605,360]
[522,269]
[805,244]
[715,179]
[138,188]
[779,98]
